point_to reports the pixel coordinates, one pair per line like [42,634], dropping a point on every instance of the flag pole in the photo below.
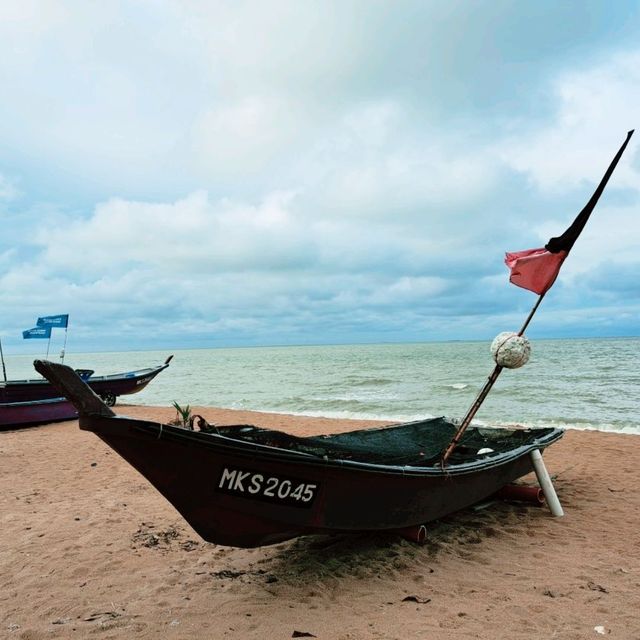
[484,392]
[4,369]
[563,243]
[64,347]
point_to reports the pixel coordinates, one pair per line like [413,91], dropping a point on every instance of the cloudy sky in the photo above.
[197,174]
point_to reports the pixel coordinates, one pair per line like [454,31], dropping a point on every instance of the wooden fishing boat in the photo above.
[243,486]
[108,387]
[19,414]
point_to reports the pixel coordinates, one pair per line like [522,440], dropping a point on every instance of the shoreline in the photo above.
[88,546]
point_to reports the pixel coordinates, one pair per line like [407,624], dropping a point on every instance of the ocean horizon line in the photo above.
[277,345]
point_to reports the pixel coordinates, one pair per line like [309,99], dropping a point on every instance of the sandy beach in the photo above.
[89,549]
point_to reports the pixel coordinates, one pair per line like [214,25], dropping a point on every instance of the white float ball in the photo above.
[510,350]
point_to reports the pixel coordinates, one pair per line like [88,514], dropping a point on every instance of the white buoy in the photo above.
[510,350]
[545,484]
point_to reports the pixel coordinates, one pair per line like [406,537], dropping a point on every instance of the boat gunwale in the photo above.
[261,452]
[129,375]
[29,403]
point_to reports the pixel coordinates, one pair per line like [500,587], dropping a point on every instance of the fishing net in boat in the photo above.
[415,443]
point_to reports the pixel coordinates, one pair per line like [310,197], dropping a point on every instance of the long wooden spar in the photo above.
[563,243]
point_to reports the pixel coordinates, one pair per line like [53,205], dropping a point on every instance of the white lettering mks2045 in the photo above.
[265,486]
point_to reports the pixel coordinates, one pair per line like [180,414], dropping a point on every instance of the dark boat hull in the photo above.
[244,486]
[18,414]
[239,494]
[107,387]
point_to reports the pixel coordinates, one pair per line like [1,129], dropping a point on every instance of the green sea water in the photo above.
[582,384]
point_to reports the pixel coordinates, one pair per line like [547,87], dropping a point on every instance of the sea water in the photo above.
[582,384]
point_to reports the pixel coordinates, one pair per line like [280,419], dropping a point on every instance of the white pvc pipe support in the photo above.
[545,483]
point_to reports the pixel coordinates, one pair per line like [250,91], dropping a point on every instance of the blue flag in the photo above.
[54,321]
[37,332]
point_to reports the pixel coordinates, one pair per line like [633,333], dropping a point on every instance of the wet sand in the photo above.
[88,549]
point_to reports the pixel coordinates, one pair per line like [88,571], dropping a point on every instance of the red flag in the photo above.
[534,269]
[537,269]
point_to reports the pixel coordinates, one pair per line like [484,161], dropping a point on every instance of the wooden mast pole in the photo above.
[562,243]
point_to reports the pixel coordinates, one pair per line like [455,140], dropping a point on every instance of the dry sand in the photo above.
[88,549]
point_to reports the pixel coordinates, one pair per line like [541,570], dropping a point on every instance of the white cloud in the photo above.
[243,138]
[192,234]
[595,109]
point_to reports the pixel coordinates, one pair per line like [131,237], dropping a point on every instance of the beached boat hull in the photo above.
[18,414]
[240,494]
[107,387]
[244,486]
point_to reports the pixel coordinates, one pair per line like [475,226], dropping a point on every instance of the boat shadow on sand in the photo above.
[470,535]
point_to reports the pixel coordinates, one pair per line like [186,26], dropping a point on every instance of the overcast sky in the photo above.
[196,174]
